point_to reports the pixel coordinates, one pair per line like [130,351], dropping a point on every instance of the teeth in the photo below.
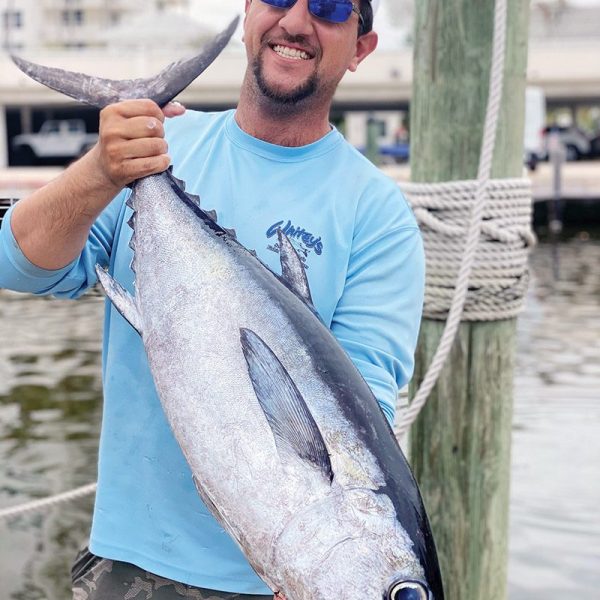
[291,52]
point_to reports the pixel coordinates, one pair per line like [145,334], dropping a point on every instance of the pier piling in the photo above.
[460,445]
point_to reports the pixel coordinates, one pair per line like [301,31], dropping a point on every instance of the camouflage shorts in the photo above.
[96,578]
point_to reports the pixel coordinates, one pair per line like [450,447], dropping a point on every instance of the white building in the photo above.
[61,24]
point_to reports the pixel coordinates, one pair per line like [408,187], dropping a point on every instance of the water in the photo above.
[555,528]
[50,411]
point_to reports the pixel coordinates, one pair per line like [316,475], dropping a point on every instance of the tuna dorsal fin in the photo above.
[292,269]
[179,182]
[294,428]
[212,214]
[123,301]
[100,92]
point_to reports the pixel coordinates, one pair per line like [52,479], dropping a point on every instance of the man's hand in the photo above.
[131,141]
[52,225]
[278,596]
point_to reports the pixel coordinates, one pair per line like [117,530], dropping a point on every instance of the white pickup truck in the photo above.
[56,139]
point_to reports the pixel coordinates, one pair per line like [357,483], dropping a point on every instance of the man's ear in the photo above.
[365,44]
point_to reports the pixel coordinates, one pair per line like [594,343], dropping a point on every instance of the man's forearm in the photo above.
[52,225]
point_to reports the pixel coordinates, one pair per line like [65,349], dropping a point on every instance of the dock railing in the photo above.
[5,204]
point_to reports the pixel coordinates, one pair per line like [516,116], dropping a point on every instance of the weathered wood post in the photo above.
[460,445]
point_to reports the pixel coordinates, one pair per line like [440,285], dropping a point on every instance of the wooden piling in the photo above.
[460,445]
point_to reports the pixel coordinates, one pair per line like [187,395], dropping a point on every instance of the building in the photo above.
[63,24]
[559,21]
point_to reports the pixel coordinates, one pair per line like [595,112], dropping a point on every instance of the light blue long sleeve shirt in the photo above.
[364,258]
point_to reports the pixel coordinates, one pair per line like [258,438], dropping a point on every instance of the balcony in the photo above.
[100,5]
[65,35]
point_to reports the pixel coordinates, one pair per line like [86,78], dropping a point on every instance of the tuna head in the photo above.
[353,547]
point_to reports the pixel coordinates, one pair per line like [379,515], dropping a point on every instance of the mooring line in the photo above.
[35,505]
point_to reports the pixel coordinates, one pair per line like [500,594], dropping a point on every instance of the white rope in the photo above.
[498,276]
[35,505]
[474,223]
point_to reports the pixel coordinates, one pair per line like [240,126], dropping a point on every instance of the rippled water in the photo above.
[50,412]
[555,522]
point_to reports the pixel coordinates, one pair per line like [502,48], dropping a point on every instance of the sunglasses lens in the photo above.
[336,11]
[280,3]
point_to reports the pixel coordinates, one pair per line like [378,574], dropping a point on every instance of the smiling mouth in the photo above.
[288,52]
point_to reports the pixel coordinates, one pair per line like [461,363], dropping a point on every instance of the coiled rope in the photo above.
[497,276]
[498,285]
[490,282]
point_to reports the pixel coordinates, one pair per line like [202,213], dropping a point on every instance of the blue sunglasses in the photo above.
[334,11]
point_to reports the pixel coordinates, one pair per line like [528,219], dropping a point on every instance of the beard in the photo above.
[284,101]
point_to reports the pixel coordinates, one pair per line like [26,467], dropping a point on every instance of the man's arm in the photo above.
[52,225]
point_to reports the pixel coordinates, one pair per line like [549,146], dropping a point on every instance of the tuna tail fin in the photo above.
[99,92]
[123,301]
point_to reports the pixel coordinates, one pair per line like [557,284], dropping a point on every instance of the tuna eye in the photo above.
[408,590]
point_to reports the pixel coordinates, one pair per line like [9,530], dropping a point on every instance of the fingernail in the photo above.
[176,103]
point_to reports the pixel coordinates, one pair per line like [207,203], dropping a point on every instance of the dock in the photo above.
[580,180]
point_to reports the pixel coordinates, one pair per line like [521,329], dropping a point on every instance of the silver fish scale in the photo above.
[195,291]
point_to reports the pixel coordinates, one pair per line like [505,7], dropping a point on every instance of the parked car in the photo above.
[65,139]
[399,152]
[576,142]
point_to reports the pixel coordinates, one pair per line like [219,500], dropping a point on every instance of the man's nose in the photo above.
[297,20]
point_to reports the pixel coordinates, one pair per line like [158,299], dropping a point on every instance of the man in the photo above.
[273,163]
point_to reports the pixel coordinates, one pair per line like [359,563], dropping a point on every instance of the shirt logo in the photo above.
[304,241]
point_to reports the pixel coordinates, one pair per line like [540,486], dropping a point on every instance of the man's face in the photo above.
[294,55]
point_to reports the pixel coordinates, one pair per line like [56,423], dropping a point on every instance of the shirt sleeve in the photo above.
[377,318]
[18,273]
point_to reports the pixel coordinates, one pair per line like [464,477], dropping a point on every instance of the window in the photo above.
[12,19]
[72,17]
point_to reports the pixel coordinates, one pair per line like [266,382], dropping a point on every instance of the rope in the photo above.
[498,276]
[16,511]
[475,221]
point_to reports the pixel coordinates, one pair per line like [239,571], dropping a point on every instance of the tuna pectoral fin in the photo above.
[101,92]
[294,428]
[120,297]
[292,269]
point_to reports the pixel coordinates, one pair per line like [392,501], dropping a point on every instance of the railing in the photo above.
[5,204]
